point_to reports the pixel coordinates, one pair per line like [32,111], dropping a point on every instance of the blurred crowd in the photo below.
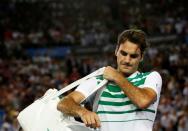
[74,22]
[173,107]
[24,79]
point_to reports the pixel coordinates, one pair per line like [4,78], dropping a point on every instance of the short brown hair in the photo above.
[133,35]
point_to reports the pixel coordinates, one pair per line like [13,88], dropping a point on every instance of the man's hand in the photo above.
[71,105]
[90,119]
[110,73]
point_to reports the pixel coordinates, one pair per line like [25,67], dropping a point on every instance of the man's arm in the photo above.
[71,105]
[142,97]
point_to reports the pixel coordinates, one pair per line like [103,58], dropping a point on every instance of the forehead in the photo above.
[129,47]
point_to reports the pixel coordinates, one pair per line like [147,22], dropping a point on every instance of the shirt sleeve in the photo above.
[154,81]
[87,86]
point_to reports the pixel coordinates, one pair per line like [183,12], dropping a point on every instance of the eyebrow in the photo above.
[134,55]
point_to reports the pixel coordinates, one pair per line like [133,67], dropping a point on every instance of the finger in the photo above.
[88,121]
[93,122]
[84,120]
[97,120]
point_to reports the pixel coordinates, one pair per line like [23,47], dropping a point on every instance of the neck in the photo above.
[123,74]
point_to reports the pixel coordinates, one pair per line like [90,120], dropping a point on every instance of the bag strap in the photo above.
[101,84]
[96,99]
[76,83]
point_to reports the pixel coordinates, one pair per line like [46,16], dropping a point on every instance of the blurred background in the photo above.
[51,43]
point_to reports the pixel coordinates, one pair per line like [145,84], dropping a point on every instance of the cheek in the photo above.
[135,62]
[119,58]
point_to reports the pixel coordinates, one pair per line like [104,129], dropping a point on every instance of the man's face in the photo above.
[128,57]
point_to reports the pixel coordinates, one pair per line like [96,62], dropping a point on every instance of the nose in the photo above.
[127,59]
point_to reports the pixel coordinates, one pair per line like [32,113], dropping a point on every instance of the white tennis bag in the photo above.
[42,114]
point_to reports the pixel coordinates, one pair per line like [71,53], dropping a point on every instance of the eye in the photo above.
[123,53]
[134,55]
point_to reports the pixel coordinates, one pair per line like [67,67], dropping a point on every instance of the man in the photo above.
[129,101]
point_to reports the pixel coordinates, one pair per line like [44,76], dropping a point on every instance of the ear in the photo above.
[142,57]
[116,50]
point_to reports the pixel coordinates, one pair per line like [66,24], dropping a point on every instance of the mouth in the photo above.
[126,66]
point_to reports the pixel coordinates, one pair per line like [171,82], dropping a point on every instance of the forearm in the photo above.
[139,96]
[70,107]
